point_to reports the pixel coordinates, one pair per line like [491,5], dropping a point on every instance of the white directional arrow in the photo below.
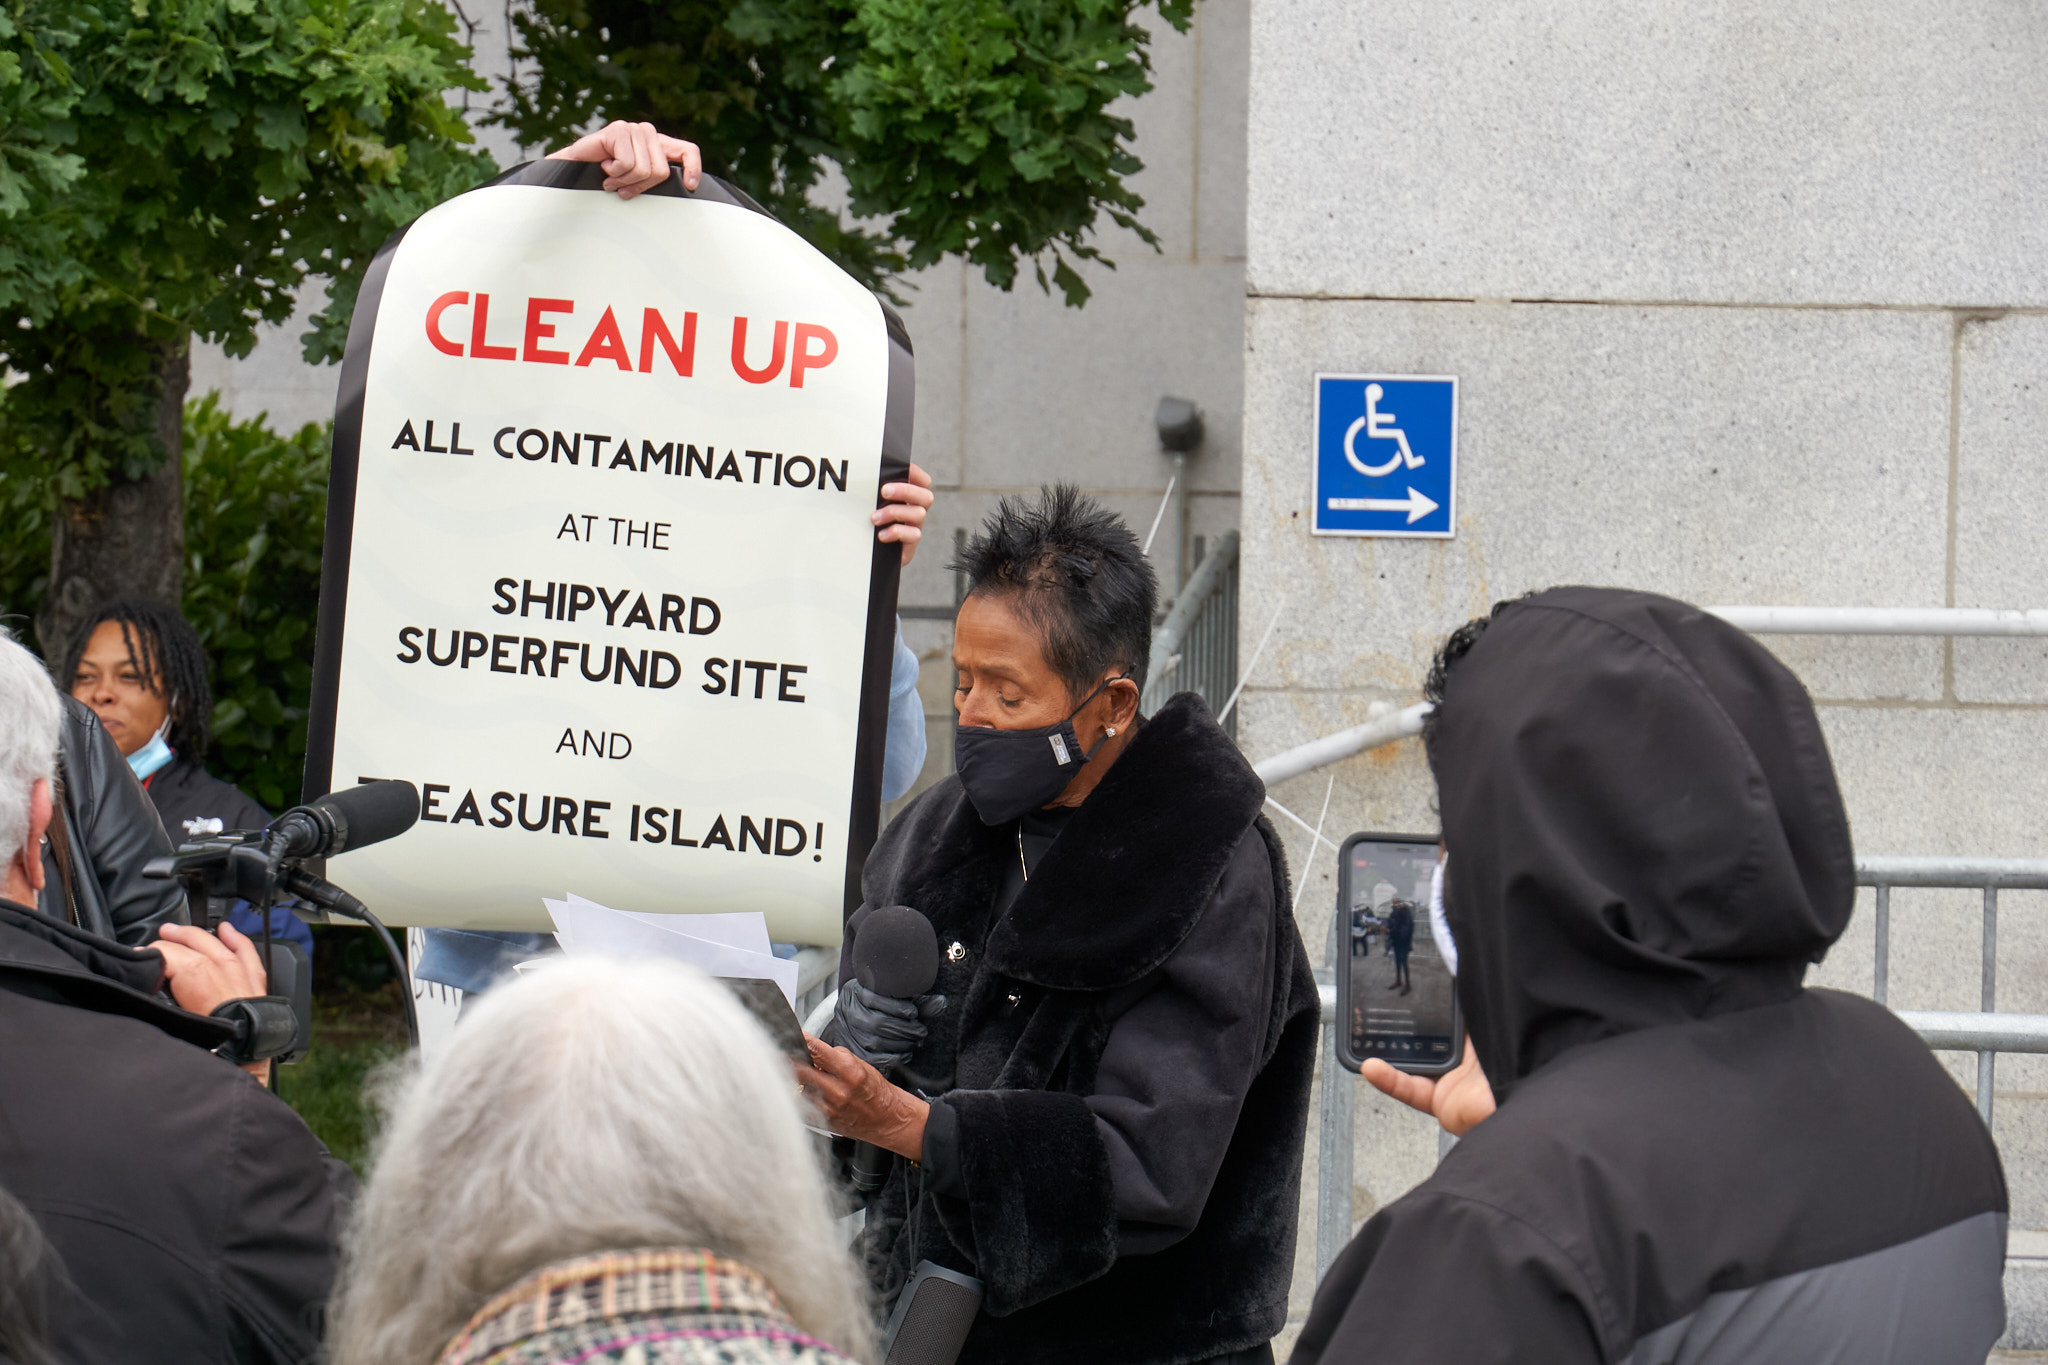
[1415,505]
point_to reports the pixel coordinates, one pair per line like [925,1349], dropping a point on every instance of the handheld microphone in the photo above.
[896,953]
[340,821]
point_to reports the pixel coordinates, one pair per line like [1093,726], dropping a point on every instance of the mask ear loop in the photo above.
[170,714]
[1109,731]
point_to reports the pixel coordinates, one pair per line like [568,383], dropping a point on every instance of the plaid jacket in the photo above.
[655,1307]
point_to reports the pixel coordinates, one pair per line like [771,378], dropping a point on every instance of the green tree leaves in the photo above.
[976,128]
[178,166]
[980,126]
[255,515]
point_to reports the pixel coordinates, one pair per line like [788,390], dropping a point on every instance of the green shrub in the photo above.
[255,512]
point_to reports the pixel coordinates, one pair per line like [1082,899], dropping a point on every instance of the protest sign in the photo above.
[599,575]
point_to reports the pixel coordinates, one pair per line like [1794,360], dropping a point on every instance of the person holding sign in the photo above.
[1119,1083]
[635,158]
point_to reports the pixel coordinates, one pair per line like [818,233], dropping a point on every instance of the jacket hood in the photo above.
[1642,822]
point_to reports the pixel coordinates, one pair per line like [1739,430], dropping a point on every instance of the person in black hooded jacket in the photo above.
[1676,1153]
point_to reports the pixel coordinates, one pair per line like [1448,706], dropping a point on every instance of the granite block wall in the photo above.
[1746,302]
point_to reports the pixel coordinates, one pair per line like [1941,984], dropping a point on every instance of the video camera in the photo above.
[258,866]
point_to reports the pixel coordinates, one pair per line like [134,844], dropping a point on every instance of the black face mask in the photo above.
[1009,772]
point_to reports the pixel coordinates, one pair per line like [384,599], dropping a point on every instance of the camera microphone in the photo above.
[896,953]
[225,866]
[343,820]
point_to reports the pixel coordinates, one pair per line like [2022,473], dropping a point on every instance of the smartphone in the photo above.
[1395,997]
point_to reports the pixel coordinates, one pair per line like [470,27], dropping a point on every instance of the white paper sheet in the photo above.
[747,931]
[562,934]
[583,926]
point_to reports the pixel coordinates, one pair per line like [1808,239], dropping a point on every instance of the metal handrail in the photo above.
[1181,617]
[2009,874]
[1883,620]
[1948,1032]
[1381,729]
[1952,621]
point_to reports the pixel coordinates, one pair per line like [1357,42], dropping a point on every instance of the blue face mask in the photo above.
[152,755]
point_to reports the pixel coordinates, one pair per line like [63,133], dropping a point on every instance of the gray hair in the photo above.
[590,1106]
[30,716]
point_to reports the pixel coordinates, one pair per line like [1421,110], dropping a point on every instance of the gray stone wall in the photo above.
[1745,303]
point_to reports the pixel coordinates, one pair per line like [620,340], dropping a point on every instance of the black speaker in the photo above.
[932,1317]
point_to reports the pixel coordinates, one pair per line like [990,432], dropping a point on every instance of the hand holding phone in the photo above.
[1458,1100]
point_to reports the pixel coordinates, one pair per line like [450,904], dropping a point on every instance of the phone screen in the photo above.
[1400,1005]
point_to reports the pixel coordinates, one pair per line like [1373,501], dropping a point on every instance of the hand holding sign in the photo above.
[635,156]
[901,515]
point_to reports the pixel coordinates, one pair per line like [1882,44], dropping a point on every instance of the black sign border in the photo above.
[885,570]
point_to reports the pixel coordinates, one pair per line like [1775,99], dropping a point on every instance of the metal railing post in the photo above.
[1987,1061]
[1333,1182]
[1171,645]
[1881,973]
[1180,524]
[1333,1159]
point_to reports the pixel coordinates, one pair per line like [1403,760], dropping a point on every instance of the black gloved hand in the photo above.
[882,1030]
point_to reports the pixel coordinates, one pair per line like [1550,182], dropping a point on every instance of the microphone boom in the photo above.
[343,820]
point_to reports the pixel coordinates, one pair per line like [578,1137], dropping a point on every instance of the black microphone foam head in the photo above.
[896,952]
[371,813]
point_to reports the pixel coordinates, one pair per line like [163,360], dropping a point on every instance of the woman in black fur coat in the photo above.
[1103,1119]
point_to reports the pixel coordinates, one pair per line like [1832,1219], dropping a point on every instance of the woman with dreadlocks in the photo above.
[140,667]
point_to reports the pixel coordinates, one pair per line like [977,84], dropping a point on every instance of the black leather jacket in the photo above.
[113,829]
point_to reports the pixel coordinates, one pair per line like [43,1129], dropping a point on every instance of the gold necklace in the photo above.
[1021,864]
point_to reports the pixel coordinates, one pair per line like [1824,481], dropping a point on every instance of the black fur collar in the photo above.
[1124,882]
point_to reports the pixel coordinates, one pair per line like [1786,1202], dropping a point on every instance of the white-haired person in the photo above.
[606,1162]
[190,1213]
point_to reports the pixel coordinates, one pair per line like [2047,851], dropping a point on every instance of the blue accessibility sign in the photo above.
[1386,455]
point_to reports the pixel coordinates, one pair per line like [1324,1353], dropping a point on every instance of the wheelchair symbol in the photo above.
[1378,426]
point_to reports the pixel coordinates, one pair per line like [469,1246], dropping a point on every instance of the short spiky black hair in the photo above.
[1074,570]
[168,655]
